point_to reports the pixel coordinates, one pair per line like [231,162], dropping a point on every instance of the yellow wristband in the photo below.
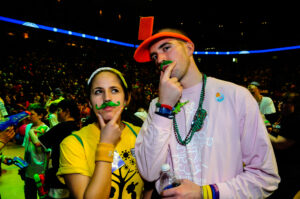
[105,152]
[209,193]
[204,192]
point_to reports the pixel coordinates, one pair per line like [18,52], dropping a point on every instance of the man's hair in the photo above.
[71,106]
[38,108]
[52,107]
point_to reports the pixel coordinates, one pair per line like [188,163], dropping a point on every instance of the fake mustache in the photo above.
[107,104]
[165,62]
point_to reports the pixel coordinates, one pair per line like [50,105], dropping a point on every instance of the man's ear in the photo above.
[191,47]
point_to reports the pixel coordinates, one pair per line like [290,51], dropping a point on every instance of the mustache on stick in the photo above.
[107,104]
[165,62]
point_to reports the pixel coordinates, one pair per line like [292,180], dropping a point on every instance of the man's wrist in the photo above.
[165,112]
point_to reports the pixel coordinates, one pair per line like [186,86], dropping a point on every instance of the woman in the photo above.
[98,161]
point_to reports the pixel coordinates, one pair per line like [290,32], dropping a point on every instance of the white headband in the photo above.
[107,69]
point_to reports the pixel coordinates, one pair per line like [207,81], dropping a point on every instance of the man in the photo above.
[266,105]
[68,116]
[226,153]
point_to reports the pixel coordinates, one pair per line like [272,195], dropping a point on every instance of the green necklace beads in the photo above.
[197,122]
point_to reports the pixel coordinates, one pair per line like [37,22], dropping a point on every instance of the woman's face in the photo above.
[106,86]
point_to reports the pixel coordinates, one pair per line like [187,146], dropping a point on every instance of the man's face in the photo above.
[60,114]
[173,50]
[253,90]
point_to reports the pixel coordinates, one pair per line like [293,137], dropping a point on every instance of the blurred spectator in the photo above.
[68,115]
[57,96]
[34,153]
[266,104]
[3,111]
[285,139]
[141,113]
[52,115]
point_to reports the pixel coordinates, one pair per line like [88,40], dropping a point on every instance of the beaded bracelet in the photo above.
[105,152]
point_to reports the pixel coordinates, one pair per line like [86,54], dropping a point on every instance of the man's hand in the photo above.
[110,132]
[187,189]
[170,89]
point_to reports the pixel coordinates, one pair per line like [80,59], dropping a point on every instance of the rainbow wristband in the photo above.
[105,152]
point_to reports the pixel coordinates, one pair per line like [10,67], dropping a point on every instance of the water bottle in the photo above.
[167,178]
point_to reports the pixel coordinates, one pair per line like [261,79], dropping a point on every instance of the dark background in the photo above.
[217,25]
[212,25]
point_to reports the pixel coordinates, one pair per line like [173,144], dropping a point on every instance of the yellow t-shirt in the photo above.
[78,158]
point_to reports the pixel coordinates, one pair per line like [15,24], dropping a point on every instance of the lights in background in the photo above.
[86,36]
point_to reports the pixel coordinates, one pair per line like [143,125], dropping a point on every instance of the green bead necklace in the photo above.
[197,122]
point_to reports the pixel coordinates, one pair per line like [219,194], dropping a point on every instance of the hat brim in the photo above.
[142,53]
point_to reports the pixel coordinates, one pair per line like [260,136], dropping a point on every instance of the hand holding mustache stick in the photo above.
[170,89]
[110,131]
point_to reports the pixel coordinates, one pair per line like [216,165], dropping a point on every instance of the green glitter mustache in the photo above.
[165,62]
[107,104]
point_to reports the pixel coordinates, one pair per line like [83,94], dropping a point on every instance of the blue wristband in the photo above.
[162,111]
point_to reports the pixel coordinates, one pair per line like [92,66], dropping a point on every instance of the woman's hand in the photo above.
[111,131]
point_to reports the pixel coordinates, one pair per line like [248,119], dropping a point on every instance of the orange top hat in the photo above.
[142,53]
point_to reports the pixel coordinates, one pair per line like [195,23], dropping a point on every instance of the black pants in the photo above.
[30,188]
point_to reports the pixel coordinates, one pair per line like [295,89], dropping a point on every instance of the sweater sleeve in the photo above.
[152,144]
[260,174]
